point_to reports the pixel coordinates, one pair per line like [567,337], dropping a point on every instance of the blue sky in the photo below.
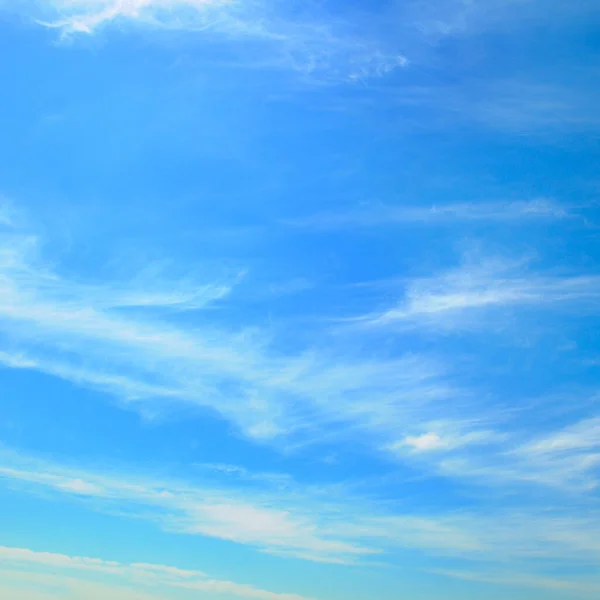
[299,300]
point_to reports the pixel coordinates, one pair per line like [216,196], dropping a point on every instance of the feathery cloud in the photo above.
[320,524]
[566,459]
[278,525]
[308,41]
[377,214]
[453,298]
[540,581]
[138,577]
[132,345]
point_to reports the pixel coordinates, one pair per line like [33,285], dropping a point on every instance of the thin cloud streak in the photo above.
[140,576]
[378,215]
[409,407]
[90,335]
[566,459]
[316,46]
[510,579]
[456,298]
[208,510]
[322,525]
[444,437]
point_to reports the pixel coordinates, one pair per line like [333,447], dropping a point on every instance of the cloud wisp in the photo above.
[540,581]
[378,215]
[85,16]
[315,524]
[134,345]
[273,523]
[136,348]
[137,581]
[460,297]
[567,459]
[308,41]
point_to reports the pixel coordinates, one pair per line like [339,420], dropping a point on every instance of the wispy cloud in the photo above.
[460,296]
[580,437]
[310,41]
[274,523]
[437,19]
[566,459]
[510,579]
[129,343]
[417,425]
[407,407]
[524,539]
[323,524]
[444,437]
[375,214]
[142,580]
[88,15]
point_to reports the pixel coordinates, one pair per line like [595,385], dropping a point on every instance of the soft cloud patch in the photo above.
[567,459]
[424,443]
[510,579]
[87,15]
[446,436]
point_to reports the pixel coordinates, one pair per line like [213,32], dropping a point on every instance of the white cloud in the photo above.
[580,437]
[29,585]
[139,577]
[409,406]
[424,442]
[279,524]
[87,15]
[451,298]
[309,41]
[448,436]
[567,459]
[377,215]
[327,525]
[106,337]
[523,538]
[508,578]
